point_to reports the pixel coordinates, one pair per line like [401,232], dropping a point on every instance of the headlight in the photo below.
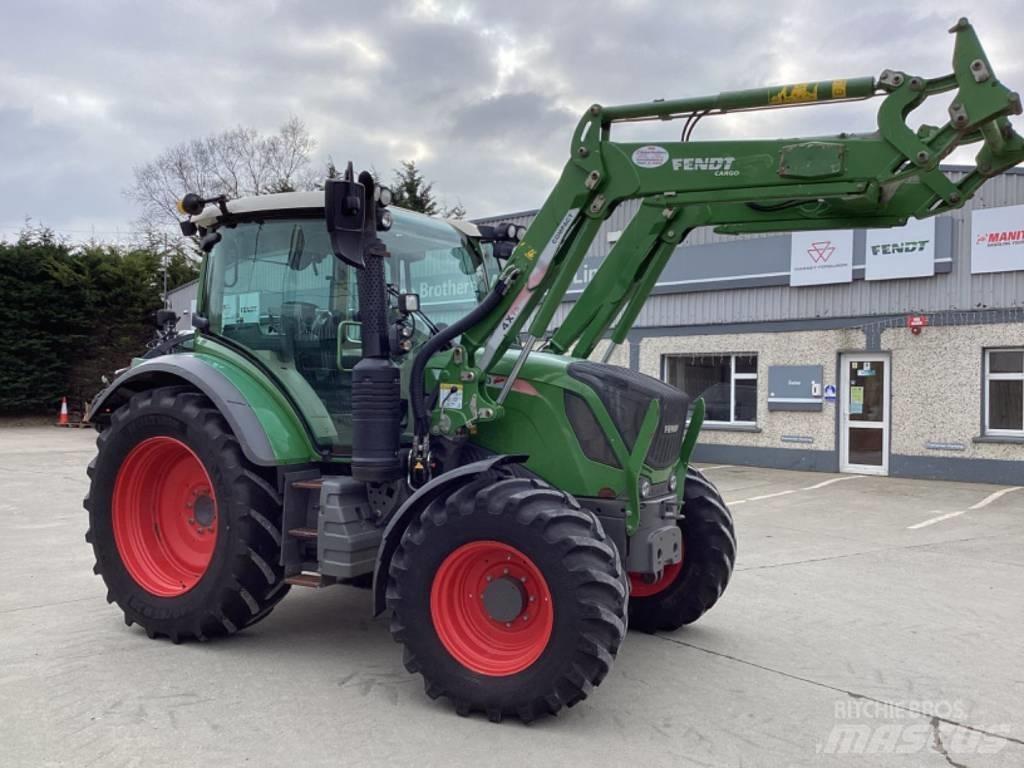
[672,483]
[645,487]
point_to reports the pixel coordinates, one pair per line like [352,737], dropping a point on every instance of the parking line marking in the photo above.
[775,495]
[980,505]
[933,520]
[829,482]
[717,466]
[771,495]
[993,496]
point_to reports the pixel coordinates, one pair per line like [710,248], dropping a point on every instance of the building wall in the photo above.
[936,391]
[800,348]
[937,383]
[180,300]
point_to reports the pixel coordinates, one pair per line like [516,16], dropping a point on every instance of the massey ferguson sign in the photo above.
[997,239]
[819,258]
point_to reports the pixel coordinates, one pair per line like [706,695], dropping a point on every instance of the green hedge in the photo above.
[69,315]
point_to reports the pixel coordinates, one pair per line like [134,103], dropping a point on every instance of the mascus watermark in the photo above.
[869,727]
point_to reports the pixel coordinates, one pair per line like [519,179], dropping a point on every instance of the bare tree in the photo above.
[238,162]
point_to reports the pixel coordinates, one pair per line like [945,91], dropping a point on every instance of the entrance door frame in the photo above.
[845,424]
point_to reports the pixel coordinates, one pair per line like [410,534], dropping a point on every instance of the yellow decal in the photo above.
[838,89]
[793,94]
[531,254]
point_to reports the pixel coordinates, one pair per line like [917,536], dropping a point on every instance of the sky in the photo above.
[482,95]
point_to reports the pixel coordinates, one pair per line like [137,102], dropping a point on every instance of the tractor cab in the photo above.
[273,287]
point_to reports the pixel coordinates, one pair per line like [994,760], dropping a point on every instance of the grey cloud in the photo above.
[89,89]
[514,116]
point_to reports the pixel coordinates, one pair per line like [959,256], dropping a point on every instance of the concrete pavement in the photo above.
[850,635]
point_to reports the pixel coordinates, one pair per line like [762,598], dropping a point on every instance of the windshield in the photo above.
[275,287]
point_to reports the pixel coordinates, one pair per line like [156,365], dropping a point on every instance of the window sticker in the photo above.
[249,307]
[856,400]
[229,314]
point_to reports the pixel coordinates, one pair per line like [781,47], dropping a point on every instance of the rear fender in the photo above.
[267,427]
[440,485]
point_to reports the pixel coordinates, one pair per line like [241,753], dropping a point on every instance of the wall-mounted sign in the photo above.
[794,387]
[907,251]
[820,258]
[997,239]
[830,393]
[916,322]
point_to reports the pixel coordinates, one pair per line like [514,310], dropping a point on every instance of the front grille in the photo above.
[627,395]
[589,433]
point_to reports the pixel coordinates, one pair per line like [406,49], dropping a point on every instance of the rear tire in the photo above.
[558,637]
[185,564]
[709,552]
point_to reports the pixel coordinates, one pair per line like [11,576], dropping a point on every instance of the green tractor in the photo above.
[376,398]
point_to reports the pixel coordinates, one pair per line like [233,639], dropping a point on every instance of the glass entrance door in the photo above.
[864,420]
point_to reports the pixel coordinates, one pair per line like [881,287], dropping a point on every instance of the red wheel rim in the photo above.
[639,587]
[164,513]
[476,638]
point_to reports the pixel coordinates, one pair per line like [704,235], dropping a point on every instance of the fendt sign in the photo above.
[997,243]
[907,251]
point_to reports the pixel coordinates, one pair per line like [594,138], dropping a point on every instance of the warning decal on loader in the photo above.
[535,278]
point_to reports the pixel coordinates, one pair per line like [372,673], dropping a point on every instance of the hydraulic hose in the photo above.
[417,395]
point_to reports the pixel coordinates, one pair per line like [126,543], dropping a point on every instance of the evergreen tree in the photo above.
[411,191]
[73,314]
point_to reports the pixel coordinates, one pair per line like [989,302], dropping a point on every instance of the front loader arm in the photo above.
[880,179]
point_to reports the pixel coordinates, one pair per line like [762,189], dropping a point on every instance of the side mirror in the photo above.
[165,317]
[355,210]
[345,212]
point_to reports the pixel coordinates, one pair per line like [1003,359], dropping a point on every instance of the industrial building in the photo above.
[894,352]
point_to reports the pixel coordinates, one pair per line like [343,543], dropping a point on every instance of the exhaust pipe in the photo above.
[353,210]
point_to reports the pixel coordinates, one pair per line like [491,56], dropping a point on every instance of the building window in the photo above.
[728,384]
[1004,392]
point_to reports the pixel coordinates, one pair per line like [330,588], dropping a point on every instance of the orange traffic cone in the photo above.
[62,420]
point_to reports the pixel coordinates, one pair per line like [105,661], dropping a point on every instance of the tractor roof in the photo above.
[302,201]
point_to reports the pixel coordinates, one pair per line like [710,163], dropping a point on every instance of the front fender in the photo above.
[268,429]
[441,484]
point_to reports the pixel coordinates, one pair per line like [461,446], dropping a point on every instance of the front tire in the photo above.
[186,531]
[687,591]
[508,598]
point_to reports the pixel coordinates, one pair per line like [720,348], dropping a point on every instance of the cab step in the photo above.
[314,580]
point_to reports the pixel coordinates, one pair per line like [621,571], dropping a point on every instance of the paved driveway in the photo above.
[871,621]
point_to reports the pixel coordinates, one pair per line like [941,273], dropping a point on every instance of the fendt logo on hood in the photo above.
[1003,237]
[719,166]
